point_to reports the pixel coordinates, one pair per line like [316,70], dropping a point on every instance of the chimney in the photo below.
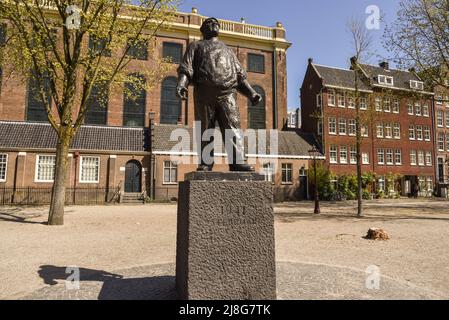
[384,65]
[310,60]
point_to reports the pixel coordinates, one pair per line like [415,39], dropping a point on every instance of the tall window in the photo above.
[447,119]
[380,156]
[397,131]
[419,133]
[256,63]
[331,98]
[341,99]
[387,105]
[389,156]
[441,142]
[342,126]
[256,114]
[380,130]
[411,132]
[90,169]
[427,133]
[170,172]
[45,168]
[134,102]
[388,130]
[365,130]
[352,127]
[36,110]
[353,155]
[333,154]
[3,166]
[378,104]
[398,157]
[138,49]
[439,118]
[268,171]
[332,126]
[410,107]
[362,103]
[365,158]
[396,106]
[170,102]
[429,159]
[417,108]
[413,161]
[173,51]
[351,102]
[287,173]
[425,110]
[343,154]
[97,104]
[421,158]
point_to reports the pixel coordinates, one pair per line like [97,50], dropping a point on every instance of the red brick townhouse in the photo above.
[397,123]
[441,103]
[112,149]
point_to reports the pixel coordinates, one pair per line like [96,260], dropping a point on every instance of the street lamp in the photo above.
[313,154]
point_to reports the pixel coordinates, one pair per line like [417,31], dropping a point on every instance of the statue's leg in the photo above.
[205,114]
[228,117]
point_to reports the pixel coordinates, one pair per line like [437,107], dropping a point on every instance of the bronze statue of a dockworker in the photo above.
[217,75]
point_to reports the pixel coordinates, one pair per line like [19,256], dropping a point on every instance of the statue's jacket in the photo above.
[211,65]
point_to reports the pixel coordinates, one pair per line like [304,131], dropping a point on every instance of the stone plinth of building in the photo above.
[225,237]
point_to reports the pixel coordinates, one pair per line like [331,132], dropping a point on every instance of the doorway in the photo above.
[133,177]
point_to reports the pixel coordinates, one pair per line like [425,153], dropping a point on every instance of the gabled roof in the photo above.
[32,135]
[336,77]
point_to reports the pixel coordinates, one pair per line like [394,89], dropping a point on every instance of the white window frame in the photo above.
[381,156]
[365,158]
[397,130]
[419,133]
[398,157]
[268,170]
[440,142]
[333,121]
[342,124]
[331,98]
[411,132]
[287,167]
[416,85]
[387,104]
[378,104]
[439,100]
[410,108]
[320,127]
[413,158]
[446,114]
[36,170]
[418,109]
[333,149]
[353,155]
[351,102]
[428,158]
[396,106]
[319,100]
[364,130]
[389,157]
[172,165]
[352,124]
[379,130]
[440,120]
[6,166]
[382,79]
[421,158]
[388,130]
[343,151]
[81,170]
[425,110]
[362,102]
[341,98]
[426,133]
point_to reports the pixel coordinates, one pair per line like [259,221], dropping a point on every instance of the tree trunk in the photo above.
[56,214]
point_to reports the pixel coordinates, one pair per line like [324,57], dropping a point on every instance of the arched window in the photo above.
[256,114]
[170,103]
[97,104]
[134,102]
[36,110]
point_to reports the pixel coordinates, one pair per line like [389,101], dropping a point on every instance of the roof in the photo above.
[344,78]
[291,143]
[401,78]
[32,135]
[338,77]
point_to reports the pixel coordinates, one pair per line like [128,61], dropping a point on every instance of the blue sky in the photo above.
[316,28]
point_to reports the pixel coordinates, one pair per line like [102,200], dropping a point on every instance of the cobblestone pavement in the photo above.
[294,281]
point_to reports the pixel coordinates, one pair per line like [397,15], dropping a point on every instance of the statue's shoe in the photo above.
[204,167]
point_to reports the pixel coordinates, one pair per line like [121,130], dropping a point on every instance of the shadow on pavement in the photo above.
[115,286]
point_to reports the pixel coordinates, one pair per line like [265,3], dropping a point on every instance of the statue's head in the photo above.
[210,28]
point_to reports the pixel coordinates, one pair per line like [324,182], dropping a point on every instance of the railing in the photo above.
[42,196]
[248,29]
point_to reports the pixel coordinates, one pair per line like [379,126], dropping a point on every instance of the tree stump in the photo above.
[377,234]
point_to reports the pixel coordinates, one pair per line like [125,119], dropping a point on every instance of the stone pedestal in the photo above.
[225,237]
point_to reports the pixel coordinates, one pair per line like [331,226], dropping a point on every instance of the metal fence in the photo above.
[41,196]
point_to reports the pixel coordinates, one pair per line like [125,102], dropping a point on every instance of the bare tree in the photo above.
[68,46]
[419,38]
[361,42]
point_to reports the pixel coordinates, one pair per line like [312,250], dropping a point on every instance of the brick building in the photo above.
[441,103]
[397,124]
[118,149]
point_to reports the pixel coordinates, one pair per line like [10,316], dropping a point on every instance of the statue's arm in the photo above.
[185,71]
[243,85]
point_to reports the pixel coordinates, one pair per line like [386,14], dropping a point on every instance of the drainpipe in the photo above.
[274,71]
